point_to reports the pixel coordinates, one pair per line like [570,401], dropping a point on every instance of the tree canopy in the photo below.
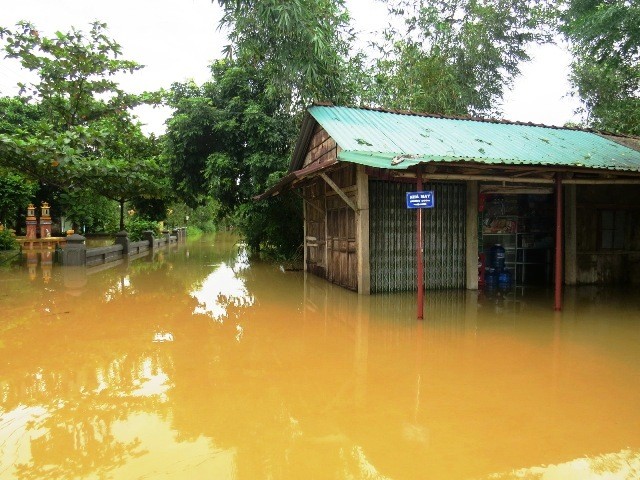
[231,137]
[76,93]
[605,38]
[230,140]
[300,46]
[455,57]
[79,132]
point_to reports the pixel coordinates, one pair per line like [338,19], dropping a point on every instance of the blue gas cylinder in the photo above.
[490,277]
[496,257]
[504,278]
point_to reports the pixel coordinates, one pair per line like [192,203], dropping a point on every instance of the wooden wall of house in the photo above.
[608,234]
[315,228]
[330,224]
[322,148]
[341,230]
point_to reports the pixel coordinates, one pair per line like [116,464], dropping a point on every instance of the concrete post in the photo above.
[75,279]
[74,253]
[176,233]
[165,234]
[362,231]
[122,238]
[471,229]
[148,236]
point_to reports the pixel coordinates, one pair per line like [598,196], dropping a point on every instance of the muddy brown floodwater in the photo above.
[201,364]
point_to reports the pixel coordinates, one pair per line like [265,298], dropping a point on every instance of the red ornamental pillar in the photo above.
[45,221]
[32,264]
[46,263]
[32,223]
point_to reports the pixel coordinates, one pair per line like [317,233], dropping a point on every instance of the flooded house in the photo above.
[560,204]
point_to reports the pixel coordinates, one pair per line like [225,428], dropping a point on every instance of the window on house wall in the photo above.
[612,228]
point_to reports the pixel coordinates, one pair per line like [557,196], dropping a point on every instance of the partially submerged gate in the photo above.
[393,236]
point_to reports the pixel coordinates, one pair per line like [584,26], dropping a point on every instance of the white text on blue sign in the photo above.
[424,199]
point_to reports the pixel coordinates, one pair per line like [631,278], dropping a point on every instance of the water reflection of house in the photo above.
[494,183]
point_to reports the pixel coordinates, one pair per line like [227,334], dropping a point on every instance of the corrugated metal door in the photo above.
[393,235]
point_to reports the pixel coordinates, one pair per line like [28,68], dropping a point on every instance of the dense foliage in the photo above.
[136,225]
[605,38]
[230,140]
[454,57]
[300,47]
[15,194]
[232,137]
[80,135]
[7,240]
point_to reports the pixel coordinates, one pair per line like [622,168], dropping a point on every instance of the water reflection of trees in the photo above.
[302,391]
[82,349]
[82,403]
[86,369]
[619,465]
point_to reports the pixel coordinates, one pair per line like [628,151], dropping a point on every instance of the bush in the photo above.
[135,225]
[203,217]
[193,231]
[95,213]
[7,240]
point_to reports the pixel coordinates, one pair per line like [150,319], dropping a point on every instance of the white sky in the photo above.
[177,39]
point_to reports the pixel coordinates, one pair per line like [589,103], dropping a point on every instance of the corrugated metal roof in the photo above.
[398,141]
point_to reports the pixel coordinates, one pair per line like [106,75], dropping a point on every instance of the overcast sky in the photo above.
[177,39]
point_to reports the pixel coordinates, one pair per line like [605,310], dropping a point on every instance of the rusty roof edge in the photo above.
[625,140]
[292,177]
[477,119]
[405,162]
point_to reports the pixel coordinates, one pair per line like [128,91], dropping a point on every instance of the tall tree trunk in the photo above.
[121,214]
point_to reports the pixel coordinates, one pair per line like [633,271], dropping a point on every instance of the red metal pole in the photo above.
[558,260]
[419,249]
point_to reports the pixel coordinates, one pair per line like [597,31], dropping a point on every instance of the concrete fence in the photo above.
[76,253]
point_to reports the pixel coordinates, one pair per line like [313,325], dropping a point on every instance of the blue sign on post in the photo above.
[424,199]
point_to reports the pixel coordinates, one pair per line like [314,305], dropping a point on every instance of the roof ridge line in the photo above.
[473,119]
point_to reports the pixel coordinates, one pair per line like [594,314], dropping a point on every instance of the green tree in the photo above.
[76,94]
[87,211]
[16,191]
[605,39]
[128,167]
[15,194]
[454,57]
[301,47]
[232,137]
[230,140]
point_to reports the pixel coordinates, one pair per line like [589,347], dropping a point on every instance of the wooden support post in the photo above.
[327,262]
[558,259]
[337,189]
[419,249]
[362,231]
[570,236]
[471,230]
[304,235]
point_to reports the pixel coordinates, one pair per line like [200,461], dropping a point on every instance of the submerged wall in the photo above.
[608,234]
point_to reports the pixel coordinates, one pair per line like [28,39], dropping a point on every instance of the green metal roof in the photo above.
[391,140]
